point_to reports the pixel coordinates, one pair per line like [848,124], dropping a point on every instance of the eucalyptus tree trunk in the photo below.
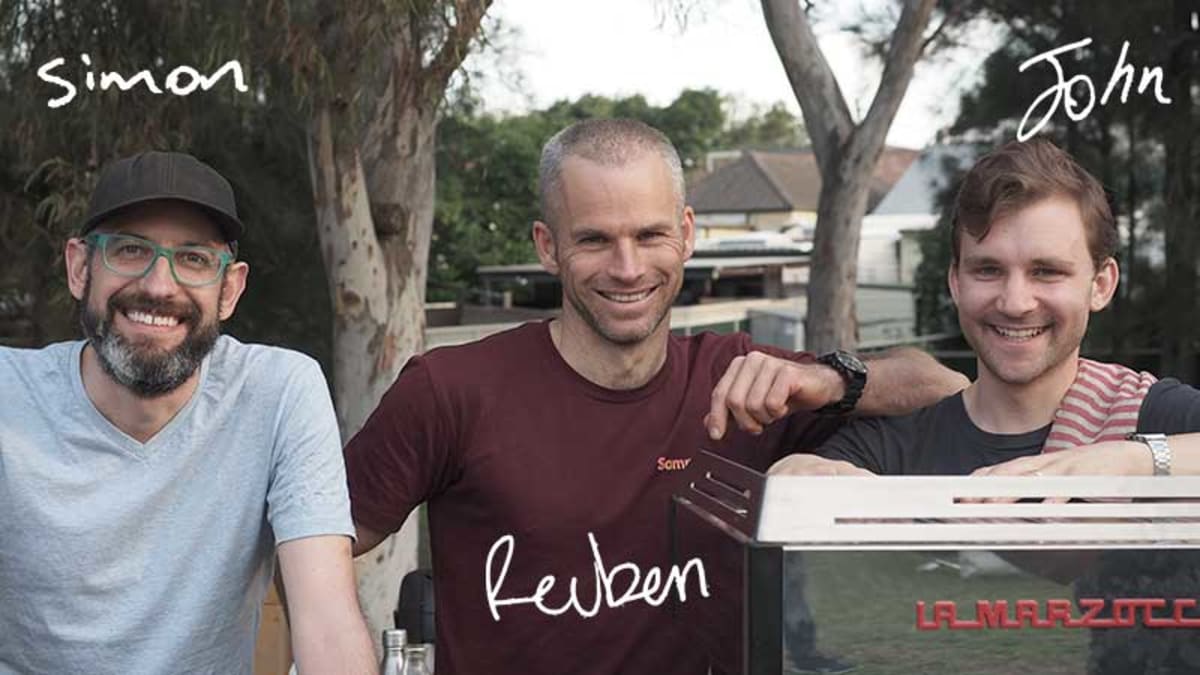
[834,272]
[846,154]
[377,280]
[373,189]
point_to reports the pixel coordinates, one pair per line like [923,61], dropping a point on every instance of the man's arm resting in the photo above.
[905,379]
[758,388]
[1185,454]
[1111,458]
[328,631]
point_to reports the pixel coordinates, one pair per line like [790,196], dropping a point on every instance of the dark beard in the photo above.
[146,371]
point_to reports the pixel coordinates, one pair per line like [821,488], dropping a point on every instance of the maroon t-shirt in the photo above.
[503,439]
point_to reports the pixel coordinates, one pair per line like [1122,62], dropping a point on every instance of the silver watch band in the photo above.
[1160,451]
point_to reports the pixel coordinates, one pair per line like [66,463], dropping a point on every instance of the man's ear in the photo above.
[547,248]
[1104,284]
[75,256]
[688,224]
[232,287]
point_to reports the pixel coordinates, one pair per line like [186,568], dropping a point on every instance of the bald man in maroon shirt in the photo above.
[547,454]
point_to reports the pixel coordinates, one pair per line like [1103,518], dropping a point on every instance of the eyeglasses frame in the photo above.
[100,240]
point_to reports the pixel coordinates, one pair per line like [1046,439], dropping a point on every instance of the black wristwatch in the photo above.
[854,374]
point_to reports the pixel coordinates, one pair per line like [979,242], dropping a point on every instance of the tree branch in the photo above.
[951,15]
[826,115]
[907,43]
[468,15]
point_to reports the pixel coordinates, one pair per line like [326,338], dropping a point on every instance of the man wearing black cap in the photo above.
[150,473]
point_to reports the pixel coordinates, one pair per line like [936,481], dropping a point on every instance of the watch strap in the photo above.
[1160,451]
[854,379]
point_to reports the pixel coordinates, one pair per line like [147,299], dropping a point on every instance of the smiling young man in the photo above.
[1032,258]
[151,472]
[553,448]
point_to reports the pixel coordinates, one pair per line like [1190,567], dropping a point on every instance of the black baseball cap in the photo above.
[152,176]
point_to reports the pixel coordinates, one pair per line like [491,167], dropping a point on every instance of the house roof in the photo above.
[918,190]
[783,180]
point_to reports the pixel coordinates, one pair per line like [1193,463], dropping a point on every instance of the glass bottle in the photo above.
[394,643]
[416,661]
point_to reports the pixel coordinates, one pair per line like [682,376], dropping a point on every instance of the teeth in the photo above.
[1020,333]
[627,297]
[151,319]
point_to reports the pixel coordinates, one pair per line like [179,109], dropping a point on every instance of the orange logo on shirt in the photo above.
[668,464]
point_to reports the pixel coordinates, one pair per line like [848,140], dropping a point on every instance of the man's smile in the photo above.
[1019,333]
[150,319]
[628,297]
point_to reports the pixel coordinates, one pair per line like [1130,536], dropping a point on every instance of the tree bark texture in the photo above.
[846,155]
[377,321]
[373,189]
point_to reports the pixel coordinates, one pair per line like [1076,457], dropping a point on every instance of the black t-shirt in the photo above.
[942,440]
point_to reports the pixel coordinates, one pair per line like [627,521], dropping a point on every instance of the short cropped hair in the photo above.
[1020,173]
[608,142]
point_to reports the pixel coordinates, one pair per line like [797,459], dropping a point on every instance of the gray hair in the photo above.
[608,142]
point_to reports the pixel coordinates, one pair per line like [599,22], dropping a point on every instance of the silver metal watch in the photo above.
[1159,451]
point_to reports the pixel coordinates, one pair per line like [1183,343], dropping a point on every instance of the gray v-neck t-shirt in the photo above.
[124,557]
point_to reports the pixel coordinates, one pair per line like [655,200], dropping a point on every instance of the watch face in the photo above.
[851,362]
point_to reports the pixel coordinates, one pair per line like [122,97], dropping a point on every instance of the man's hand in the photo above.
[328,631]
[1112,458]
[804,464]
[759,389]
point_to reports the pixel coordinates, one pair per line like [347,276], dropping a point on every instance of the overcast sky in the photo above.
[566,48]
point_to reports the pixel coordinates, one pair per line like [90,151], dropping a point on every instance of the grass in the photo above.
[864,604]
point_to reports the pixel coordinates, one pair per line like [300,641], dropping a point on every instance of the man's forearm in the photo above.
[902,380]
[334,647]
[329,634]
[1137,460]
[1185,449]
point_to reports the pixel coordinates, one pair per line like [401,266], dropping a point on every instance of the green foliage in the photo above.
[487,197]
[776,127]
[694,122]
